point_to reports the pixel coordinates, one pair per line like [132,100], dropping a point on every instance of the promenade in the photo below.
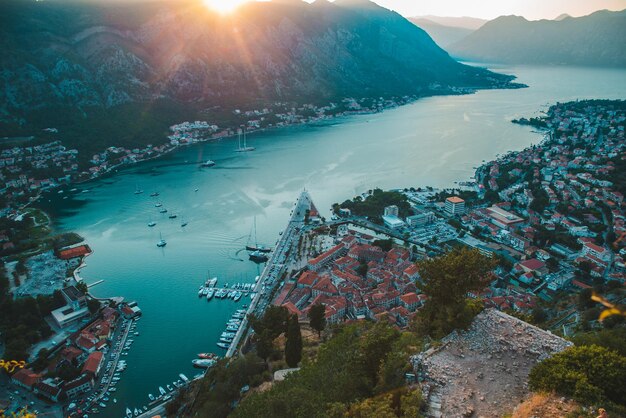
[274,267]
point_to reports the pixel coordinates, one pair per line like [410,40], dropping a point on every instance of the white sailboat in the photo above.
[245,147]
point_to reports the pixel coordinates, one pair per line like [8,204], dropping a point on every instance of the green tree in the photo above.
[93,305]
[446,281]
[589,374]
[293,345]
[317,318]
[82,286]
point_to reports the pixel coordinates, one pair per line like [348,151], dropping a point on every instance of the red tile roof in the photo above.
[92,363]
[26,377]
[74,252]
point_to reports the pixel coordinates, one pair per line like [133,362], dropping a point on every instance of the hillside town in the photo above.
[552,215]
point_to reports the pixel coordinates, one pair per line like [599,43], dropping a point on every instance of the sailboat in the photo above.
[207,163]
[162,242]
[256,247]
[245,147]
[138,190]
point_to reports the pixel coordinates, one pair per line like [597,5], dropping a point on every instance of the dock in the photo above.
[274,267]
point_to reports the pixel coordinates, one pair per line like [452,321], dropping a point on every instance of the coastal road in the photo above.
[274,266]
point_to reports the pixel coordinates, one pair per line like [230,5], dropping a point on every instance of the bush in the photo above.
[589,374]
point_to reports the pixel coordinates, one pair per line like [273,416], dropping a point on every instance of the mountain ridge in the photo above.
[93,55]
[593,40]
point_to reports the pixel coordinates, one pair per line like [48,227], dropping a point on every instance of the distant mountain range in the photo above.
[443,35]
[598,39]
[71,55]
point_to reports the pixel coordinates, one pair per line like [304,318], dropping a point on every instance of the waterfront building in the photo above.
[454,206]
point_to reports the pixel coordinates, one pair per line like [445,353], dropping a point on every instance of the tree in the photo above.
[93,305]
[317,317]
[293,346]
[446,281]
[589,374]
[82,286]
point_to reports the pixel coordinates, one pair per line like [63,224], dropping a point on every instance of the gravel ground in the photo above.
[46,273]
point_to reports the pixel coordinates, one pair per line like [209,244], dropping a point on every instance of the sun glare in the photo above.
[224,6]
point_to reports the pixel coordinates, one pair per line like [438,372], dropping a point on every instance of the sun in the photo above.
[224,6]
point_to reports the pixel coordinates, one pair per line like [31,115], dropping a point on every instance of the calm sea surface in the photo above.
[435,141]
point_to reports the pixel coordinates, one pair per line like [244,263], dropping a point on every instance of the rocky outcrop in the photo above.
[483,371]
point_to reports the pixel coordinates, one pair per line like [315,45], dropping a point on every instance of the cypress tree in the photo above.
[293,346]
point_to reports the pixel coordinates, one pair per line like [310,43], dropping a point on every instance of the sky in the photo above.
[489,9]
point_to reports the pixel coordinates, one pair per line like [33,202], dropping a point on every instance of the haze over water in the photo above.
[434,141]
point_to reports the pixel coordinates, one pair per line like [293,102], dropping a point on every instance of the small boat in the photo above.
[195,190]
[184,224]
[151,224]
[207,163]
[145,408]
[114,400]
[138,190]
[208,356]
[170,388]
[136,412]
[154,194]
[150,396]
[258,257]
[162,242]
[201,291]
[237,296]
[203,363]
[223,345]
[161,390]
[185,379]
[129,413]
[173,216]
[210,294]
[158,205]
[163,210]
[136,334]
[102,405]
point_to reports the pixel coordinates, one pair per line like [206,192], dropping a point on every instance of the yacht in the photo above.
[237,296]
[207,163]
[203,363]
[223,345]
[129,413]
[138,190]
[201,291]
[161,390]
[136,412]
[170,388]
[245,147]
[150,396]
[162,242]
[210,294]
[158,205]
[185,379]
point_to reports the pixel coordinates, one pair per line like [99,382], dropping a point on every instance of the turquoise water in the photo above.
[435,141]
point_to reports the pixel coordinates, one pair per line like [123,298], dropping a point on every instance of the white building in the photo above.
[455,206]
[420,219]
[393,222]
[391,211]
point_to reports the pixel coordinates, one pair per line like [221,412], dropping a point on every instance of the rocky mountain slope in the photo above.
[594,40]
[61,56]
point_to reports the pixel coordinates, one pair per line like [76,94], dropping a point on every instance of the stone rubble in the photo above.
[483,371]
